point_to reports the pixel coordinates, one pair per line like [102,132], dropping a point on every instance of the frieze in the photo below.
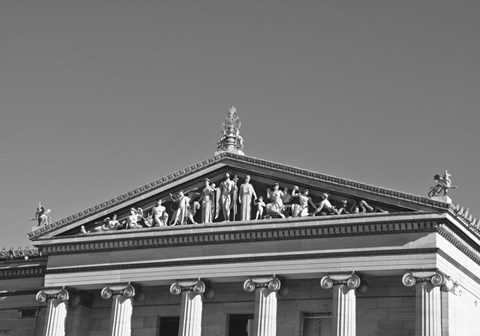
[24,272]
[227,156]
[251,235]
[212,261]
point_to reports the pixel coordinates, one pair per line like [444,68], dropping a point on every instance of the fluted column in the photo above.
[57,300]
[265,316]
[192,306]
[428,319]
[121,314]
[344,302]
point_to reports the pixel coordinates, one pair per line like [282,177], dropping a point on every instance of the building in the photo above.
[369,261]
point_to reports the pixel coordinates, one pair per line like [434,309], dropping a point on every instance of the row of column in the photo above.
[428,305]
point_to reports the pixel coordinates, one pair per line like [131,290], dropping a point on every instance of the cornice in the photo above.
[225,235]
[226,156]
[230,260]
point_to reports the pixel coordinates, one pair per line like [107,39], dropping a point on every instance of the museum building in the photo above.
[240,246]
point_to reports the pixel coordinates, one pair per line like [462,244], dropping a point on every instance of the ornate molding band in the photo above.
[437,279]
[272,283]
[273,234]
[126,290]
[197,286]
[352,281]
[54,293]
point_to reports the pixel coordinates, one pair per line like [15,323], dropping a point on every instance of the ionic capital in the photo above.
[197,286]
[127,290]
[54,293]
[352,281]
[436,278]
[272,283]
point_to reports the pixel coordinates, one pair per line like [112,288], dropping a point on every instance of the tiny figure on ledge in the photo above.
[132,221]
[260,205]
[301,209]
[207,200]
[227,188]
[343,208]
[325,204]
[159,215]
[277,197]
[41,216]
[108,225]
[246,195]
[185,210]
[444,184]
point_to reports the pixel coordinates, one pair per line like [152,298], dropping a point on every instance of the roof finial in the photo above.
[231,140]
[443,185]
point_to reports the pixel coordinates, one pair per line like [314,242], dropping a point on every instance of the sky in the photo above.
[100,97]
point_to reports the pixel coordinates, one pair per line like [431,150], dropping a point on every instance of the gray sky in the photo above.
[100,97]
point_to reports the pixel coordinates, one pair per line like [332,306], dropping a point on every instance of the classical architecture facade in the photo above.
[227,254]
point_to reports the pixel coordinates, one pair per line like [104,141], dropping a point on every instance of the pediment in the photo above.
[359,197]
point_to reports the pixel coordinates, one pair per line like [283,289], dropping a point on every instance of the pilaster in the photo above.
[344,302]
[428,307]
[121,315]
[57,301]
[192,306]
[265,316]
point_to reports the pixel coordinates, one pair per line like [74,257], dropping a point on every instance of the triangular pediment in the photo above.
[359,197]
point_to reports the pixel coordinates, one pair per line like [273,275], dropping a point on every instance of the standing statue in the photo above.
[109,224]
[41,215]
[231,141]
[444,184]
[185,210]
[227,189]
[301,209]
[207,201]
[246,194]
[260,205]
[159,215]
[278,199]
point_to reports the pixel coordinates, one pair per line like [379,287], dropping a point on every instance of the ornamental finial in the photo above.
[231,140]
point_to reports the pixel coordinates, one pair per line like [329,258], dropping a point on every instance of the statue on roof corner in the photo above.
[444,184]
[41,216]
[231,140]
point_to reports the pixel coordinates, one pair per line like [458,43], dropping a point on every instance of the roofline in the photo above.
[149,187]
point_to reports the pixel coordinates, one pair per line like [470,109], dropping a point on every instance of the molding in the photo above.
[18,293]
[220,261]
[252,234]
[21,273]
[233,158]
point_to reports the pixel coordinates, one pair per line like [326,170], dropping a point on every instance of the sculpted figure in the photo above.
[301,209]
[246,195]
[185,210]
[277,198]
[207,202]
[444,184]
[109,224]
[159,215]
[41,215]
[227,189]
[132,220]
[260,205]
[343,209]
[325,204]
[364,207]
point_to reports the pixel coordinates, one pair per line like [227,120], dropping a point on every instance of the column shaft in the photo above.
[265,319]
[191,314]
[56,315]
[428,310]
[343,311]
[121,316]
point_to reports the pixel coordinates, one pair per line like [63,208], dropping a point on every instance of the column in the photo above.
[121,315]
[428,306]
[192,306]
[265,315]
[57,301]
[344,321]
